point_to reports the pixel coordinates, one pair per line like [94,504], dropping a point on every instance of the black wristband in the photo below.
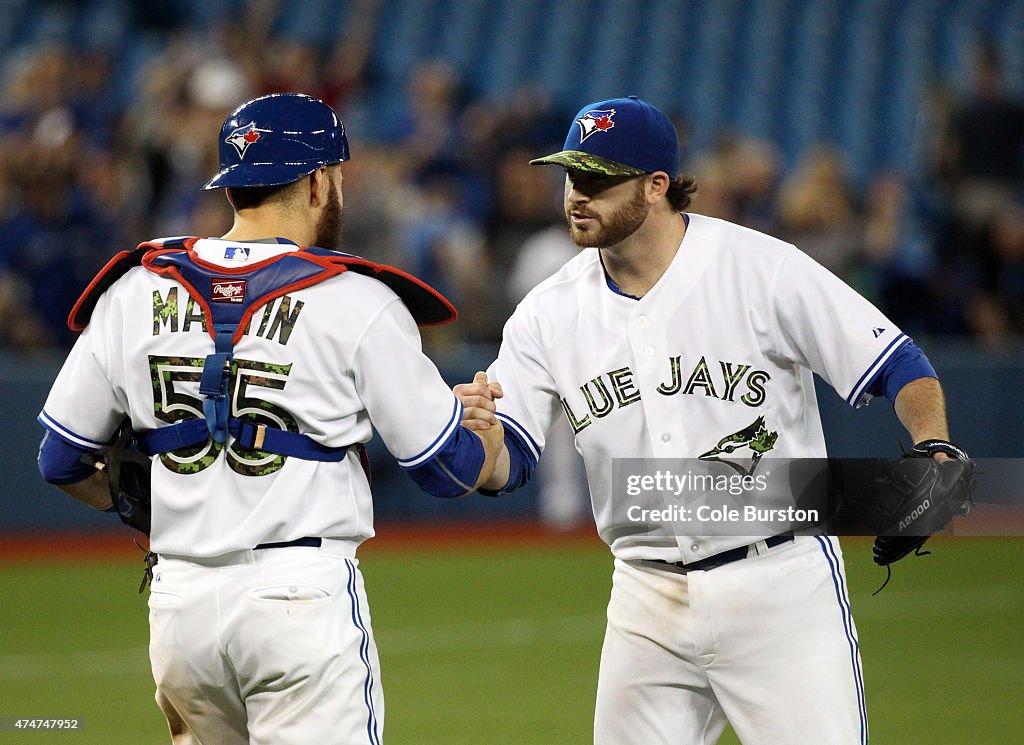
[928,448]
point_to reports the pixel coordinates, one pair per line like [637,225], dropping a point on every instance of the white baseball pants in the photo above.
[767,643]
[265,647]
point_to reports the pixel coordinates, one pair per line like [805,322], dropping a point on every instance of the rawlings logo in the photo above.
[596,120]
[223,290]
[242,137]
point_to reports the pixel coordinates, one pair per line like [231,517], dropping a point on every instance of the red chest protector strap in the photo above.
[427,306]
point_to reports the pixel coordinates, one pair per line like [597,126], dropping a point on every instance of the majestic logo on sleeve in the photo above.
[596,120]
[744,448]
[242,137]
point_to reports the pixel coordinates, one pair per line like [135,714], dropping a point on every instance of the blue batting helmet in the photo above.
[278,139]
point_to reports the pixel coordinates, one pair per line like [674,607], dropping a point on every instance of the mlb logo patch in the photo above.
[224,290]
[236,253]
[595,120]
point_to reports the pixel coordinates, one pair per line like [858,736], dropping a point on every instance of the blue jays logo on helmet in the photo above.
[242,137]
[290,134]
[595,120]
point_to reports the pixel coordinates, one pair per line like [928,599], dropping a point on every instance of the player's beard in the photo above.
[616,227]
[328,228]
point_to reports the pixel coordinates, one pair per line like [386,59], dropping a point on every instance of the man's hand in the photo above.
[478,402]
[478,416]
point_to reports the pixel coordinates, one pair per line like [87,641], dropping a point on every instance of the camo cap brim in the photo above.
[581,161]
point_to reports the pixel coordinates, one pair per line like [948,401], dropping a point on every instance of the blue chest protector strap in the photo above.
[215,380]
[248,434]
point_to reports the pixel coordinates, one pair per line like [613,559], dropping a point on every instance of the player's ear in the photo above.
[319,187]
[657,186]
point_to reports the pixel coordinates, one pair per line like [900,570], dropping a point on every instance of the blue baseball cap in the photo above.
[619,137]
[278,139]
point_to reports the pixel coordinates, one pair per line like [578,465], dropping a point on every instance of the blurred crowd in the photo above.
[439,183]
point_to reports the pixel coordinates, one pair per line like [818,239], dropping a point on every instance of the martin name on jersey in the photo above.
[277,319]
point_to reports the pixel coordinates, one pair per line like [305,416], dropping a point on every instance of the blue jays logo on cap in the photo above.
[619,137]
[594,121]
[242,137]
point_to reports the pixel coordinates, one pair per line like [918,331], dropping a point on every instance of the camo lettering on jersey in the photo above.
[616,389]
[278,319]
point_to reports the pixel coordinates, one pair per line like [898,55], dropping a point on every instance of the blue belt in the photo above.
[726,557]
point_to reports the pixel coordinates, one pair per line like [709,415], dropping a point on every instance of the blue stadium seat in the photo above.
[316,22]
[14,15]
[461,39]
[512,51]
[559,61]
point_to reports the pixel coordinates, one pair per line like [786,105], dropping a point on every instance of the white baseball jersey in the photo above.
[725,342]
[330,358]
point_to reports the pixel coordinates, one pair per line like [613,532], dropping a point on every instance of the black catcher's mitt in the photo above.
[128,470]
[913,498]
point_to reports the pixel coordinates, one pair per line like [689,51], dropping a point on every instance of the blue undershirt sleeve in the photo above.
[522,464]
[60,462]
[906,364]
[454,468]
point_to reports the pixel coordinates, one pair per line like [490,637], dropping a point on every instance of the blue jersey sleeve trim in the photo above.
[522,464]
[66,434]
[431,450]
[60,462]
[528,443]
[858,390]
[454,468]
[907,364]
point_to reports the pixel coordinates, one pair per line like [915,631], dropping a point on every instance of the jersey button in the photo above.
[666,437]
[649,351]
[641,320]
[695,547]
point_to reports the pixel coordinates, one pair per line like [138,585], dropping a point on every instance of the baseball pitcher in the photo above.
[678,336]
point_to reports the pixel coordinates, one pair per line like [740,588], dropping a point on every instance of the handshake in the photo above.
[478,416]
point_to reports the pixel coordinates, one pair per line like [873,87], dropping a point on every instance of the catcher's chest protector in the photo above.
[228,298]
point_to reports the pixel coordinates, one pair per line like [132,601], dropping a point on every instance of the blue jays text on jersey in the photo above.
[616,389]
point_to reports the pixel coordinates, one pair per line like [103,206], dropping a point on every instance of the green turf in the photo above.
[496,647]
